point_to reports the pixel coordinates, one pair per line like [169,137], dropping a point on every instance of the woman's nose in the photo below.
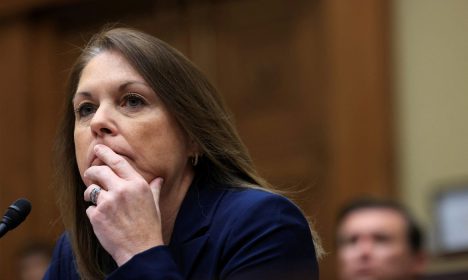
[103,121]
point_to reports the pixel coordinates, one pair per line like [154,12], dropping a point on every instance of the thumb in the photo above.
[155,187]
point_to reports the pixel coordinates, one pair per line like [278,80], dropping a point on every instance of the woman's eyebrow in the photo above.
[129,83]
[81,94]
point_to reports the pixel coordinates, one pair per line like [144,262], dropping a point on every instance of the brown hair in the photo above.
[188,96]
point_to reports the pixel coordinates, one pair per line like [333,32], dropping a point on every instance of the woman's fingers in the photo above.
[126,219]
[101,175]
[116,162]
[115,168]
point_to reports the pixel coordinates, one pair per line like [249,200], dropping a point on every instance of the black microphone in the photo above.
[15,215]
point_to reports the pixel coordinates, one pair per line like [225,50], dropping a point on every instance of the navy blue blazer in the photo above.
[219,233]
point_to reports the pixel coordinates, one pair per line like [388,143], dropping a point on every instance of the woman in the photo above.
[154,180]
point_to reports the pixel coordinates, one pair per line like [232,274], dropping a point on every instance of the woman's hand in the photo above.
[126,218]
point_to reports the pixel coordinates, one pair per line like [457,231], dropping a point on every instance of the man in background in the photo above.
[378,240]
[33,261]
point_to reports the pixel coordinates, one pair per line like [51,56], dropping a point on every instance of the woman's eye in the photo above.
[134,101]
[85,109]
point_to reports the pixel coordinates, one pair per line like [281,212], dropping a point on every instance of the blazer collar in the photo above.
[193,221]
[196,212]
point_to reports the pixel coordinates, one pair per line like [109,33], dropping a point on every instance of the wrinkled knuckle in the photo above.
[105,170]
[117,162]
[91,214]
[104,206]
[141,184]
[90,171]
[120,193]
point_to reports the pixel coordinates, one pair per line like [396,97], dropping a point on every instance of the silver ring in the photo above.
[94,195]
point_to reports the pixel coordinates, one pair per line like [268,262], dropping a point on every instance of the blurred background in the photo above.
[335,99]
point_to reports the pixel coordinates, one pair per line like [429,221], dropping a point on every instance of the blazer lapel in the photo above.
[189,253]
[191,229]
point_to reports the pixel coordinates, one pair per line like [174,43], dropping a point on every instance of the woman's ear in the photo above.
[194,149]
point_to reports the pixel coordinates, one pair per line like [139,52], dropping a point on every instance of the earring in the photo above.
[195,160]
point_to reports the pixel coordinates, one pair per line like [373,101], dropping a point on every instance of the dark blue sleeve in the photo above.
[155,263]
[62,266]
[270,239]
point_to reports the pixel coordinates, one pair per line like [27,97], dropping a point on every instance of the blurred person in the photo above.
[33,261]
[154,181]
[378,240]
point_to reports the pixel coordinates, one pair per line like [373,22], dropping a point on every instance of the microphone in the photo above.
[15,215]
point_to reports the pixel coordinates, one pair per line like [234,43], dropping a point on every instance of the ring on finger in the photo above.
[94,195]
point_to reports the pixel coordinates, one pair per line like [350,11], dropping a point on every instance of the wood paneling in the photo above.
[307,82]
[15,134]
[359,111]
[45,96]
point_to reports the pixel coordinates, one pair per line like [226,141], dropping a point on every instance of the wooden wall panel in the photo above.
[359,111]
[269,87]
[30,110]
[46,97]
[12,9]
[15,134]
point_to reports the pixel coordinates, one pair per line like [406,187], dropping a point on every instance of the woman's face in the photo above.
[114,106]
